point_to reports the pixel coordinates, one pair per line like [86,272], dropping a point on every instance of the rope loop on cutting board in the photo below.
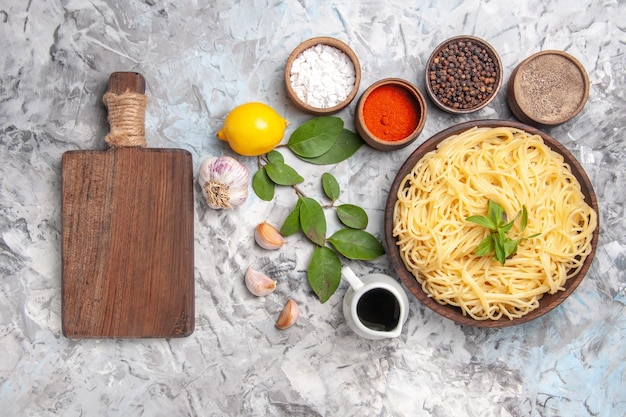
[127,113]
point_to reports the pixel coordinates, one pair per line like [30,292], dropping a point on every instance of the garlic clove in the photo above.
[224,182]
[268,237]
[258,283]
[288,316]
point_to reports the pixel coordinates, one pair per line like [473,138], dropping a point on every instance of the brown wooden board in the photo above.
[128,261]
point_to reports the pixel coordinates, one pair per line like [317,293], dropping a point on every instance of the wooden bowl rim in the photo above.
[369,137]
[325,40]
[521,113]
[491,50]
[549,301]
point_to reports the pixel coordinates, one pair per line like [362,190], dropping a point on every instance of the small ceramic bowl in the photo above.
[294,85]
[547,89]
[463,74]
[396,120]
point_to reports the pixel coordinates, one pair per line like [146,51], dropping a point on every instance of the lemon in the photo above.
[253,129]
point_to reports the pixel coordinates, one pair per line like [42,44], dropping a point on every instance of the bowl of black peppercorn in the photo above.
[463,74]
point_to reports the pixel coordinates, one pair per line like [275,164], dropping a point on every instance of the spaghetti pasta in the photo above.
[512,168]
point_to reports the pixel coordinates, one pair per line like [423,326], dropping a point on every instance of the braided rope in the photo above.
[127,113]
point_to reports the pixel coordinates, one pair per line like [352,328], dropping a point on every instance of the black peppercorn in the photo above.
[463,75]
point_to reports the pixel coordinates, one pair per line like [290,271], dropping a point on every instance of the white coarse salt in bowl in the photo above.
[322,75]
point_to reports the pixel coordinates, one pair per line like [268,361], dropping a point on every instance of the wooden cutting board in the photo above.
[128,261]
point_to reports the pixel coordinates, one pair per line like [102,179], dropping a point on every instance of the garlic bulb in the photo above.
[268,237]
[288,316]
[224,182]
[258,283]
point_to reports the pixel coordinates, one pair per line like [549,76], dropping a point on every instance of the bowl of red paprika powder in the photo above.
[463,74]
[390,114]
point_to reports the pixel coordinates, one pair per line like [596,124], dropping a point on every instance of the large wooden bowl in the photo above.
[549,301]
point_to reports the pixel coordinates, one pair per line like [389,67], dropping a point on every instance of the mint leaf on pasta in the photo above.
[485,247]
[482,221]
[497,242]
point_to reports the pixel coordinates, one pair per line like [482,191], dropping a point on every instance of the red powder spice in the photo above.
[390,112]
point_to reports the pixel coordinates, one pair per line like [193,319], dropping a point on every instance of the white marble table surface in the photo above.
[200,59]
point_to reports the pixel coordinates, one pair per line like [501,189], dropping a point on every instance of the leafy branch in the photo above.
[497,242]
[320,141]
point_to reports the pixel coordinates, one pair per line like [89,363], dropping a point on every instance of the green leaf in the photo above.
[495,212]
[482,221]
[324,273]
[262,185]
[312,220]
[510,247]
[507,227]
[352,216]
[346,145]
[291,225]
[282,174]
[524,220]
[500,251]
[356,244]
[315,137]
[497,242]
[485,247]
[330,186]
[275,156]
